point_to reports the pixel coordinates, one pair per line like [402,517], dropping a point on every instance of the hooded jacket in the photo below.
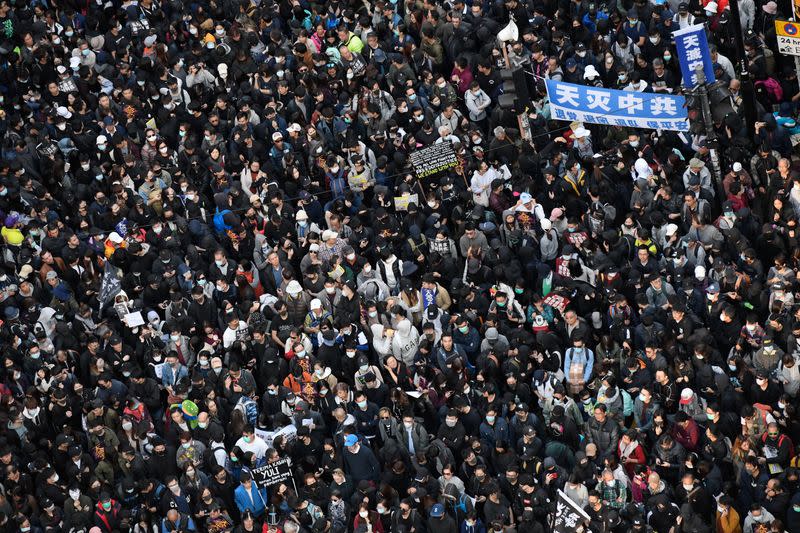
[381,344]
[405,342]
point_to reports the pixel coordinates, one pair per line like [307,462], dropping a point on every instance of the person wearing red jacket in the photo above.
[630,453]
[107,515]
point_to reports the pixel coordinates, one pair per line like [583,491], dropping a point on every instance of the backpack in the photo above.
[773,89]
[627,403]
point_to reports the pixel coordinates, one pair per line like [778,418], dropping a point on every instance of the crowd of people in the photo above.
[217,256]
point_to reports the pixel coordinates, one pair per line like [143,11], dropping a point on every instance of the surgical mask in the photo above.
[302,223]
[186,445]
[653,40]
[210,45]
[219,262]
[490,419]
[301,354]
[74,494]
[687,487]
[580,54]
[667,57]
[193,30]
[781,405]
[61,126]
[127,426]
[761,381]
[463,329]
[732,367]
[106,506]
[85,53]
[202,425]
[323,392]
[69,33]
[350,353]
[373,314]
[217,369]
[362,405]
[408,425]
[330,290]
[101,147]
[272,392]
[450,422]
[634,144]
[85,166]
[175,338]
[750,327]
[363,514]
[203,362]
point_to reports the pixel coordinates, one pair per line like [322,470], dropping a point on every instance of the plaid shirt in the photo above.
[612,492]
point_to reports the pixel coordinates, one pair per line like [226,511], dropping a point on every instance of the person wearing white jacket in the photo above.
[477,101]
[381,342]
[405,342]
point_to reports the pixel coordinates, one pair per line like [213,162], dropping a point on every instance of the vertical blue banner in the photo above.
[692,47]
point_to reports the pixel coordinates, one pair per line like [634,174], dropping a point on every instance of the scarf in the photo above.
[626,450]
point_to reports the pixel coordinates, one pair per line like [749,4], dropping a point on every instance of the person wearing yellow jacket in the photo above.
[728,520]
[11,233]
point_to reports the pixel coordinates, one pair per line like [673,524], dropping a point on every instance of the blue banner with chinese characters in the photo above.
[692,47]
[597,105]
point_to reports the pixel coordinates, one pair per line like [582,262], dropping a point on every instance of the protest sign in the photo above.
[693,53]
[433,159]
[595,105]
[568,516]
[401,202]
[273,473]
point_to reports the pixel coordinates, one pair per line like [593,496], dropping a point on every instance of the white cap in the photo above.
[277,135]
[150,40]
[671,229]
[61,69]
[222,68]
[74,62]
[63,112]
[102,139]
[314,247]
[737,167]
[315,304]
[294,127]
[114,237]
[700,272]
[294,287]
[546,224]
[580,133]
[329,234]
[590,72]
[711,7]
[301,215]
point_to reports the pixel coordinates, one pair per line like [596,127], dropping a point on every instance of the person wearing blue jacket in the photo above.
[249,497]
[493,429]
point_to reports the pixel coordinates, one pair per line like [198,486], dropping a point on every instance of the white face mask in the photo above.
[363,514]
[75,494]
[127,426]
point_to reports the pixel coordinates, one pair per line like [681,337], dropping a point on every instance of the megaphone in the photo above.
[509,33]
